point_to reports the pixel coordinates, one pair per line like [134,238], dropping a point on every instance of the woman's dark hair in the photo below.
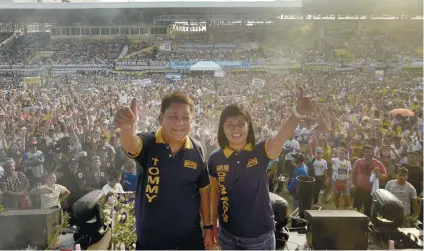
[176,97]
[234,110]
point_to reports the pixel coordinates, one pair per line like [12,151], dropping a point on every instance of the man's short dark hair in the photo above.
[367,147]
[114,175]
[298,158]
[403,171]
[176,97]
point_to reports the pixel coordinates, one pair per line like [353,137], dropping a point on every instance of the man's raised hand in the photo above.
[126,116]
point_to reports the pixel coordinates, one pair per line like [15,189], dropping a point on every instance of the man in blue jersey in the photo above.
[300,170]
[172,194]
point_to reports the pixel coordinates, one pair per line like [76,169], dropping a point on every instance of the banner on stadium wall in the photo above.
[250,70]
[80,65]
[138,73]
[322,65]
[336,69]
[139,68]
[142,82]
[140,65]
[31,82]
[339,69]
[21,70]
[46,54]
[173,77]
[418,64]
[185,65]
[279,66]
[204,46]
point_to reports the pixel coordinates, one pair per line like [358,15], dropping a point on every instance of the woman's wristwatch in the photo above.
[208,227]
[296,113]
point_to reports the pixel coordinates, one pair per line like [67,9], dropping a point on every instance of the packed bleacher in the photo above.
[28,49]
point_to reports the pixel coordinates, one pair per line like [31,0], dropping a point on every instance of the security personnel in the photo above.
[239,181]
[173,183]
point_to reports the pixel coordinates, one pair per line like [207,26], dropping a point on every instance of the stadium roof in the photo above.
[146,10]
[308,6]
[124,4]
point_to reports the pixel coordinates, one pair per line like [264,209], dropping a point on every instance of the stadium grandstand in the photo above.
[54,28]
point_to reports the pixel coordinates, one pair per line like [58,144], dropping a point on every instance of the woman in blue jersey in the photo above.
[240,199]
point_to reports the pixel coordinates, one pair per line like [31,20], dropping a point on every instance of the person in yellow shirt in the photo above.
[322,143]
[356,147]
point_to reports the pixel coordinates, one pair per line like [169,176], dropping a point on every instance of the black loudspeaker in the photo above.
[88,207]
[389,208]
[89,218]
[337,230]
[279,206]
[36,228]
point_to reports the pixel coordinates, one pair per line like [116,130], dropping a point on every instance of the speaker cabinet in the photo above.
[337,230]
[36,228]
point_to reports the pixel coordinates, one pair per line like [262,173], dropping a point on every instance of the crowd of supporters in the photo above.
[59,135]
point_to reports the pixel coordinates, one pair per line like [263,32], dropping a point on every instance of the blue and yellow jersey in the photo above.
[244,206]
[168,191]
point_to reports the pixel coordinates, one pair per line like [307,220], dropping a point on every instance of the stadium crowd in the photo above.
[58,140]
